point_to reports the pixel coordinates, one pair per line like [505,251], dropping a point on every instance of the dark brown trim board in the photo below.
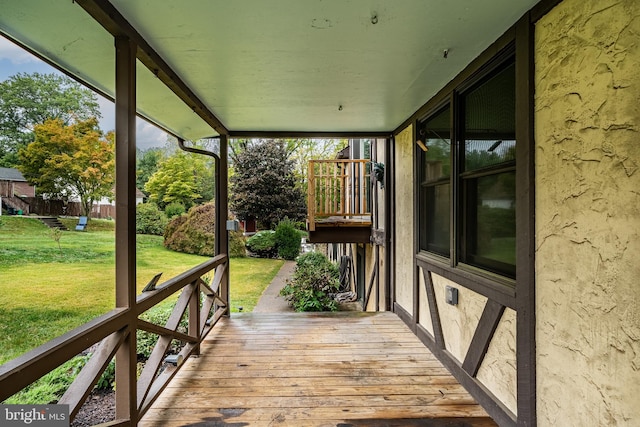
[125,156]
[525,224]
[433,309]
[487,326]
[306,134]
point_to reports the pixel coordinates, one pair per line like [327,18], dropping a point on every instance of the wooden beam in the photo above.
[18,373]
[433,309]
[222,207]
[487,326]
[525,225]
[126,358]
[343,234]
[111,19]
[308,134]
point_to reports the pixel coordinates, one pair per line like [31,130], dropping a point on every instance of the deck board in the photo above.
[292,369]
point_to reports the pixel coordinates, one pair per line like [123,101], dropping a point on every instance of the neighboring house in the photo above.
[12,183]
[14,187]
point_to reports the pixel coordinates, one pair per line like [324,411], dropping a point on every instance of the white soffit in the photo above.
[284,65]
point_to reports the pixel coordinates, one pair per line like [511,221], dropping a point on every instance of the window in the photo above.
[435,185]
[479,170]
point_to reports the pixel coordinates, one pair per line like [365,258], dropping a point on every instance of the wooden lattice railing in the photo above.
[338,188]
[200,300]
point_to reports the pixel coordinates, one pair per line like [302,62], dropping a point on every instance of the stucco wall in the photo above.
[459,322]
[498,370]
[369,268]
[424,315]
[588,213]
[404,251]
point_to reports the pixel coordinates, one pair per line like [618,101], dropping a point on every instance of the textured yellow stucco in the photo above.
[587,133]
[424,315]
[404,251]
[459,322]
[498,369]
[368,272]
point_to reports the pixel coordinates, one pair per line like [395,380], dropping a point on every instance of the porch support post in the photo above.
[222,207]
[525,225]
[126,400]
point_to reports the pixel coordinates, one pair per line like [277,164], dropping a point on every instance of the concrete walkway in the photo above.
[271,301]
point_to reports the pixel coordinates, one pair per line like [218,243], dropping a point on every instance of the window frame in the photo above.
[459,228]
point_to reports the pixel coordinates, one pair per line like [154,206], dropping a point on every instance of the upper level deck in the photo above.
[339,201]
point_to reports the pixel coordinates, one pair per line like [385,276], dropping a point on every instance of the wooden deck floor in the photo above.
[290,369]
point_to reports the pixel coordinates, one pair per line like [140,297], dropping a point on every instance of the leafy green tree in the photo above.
[148,162]
[70,160]
[182,178]
[264,185]
[27,100]
[303,150]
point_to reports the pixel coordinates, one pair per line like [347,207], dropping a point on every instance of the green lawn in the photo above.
[46,291]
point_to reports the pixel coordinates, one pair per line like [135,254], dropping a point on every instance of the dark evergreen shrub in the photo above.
[287,240]
[263,244]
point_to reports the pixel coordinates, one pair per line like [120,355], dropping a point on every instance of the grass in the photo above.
[46,291]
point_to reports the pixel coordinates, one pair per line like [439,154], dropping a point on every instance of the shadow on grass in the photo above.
[13,256]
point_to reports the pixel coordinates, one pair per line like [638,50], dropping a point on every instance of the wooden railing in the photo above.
[338,188]
[200,299]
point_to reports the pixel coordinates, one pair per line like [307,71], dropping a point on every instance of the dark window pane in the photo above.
[435,133]
[435,192]
[435,228]
[489,121]
[490,225]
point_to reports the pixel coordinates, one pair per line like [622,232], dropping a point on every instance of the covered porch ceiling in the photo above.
[254,66]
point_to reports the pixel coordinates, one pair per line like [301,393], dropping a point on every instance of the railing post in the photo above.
[311,196]
[126,358]
[222,206]
[194,315]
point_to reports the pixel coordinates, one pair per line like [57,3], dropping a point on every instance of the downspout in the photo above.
[221,202]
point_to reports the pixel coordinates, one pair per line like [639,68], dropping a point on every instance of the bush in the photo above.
[263,244]
[193,233]
[174,209]
[287,240]
[314,280]
[237,248]
[150,219]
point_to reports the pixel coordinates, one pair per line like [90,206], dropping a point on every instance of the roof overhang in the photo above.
[294,67]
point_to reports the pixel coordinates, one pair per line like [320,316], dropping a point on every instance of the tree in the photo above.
[27,100]
[264,185]
[303,150]
[148,162]
[74,160]
[183,178]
